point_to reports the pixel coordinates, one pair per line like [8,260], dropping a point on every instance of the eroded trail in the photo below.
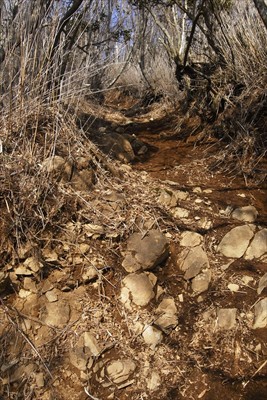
[150,285]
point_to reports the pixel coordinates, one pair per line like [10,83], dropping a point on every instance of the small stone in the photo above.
[49,255]
[168,314]
[233,287]
[33,263]
[89,274]
[84,248]
[262,283]
[181,297]
[201,282]
[260,320]
[246,214]
[119,371]
[137,288]
[154,381]
[226,318]
[247,279]
[207,191]
[167,306]
[235,243]
[197,190]
[190,239]
[24,293]
[78,358]
[258,246]
[94,231]
[205,223]
[179,212]
[91,342]
[180,195]
[52,295]
[39,379]
[152,336]
[167,199]
[22,270]
[30,285]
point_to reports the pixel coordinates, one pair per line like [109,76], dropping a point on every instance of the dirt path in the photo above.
[146,288]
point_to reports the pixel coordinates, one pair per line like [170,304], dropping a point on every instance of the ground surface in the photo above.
[65,331]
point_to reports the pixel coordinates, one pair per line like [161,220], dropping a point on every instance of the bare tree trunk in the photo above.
[261,6]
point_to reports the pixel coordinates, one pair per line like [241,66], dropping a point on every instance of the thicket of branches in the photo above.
[209,53]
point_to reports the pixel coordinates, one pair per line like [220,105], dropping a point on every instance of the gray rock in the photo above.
[191,239]
[258,246]
[193,261]
[145,252]
[226,318]
[246,214]
[138,288]
[260,320]
[235,243]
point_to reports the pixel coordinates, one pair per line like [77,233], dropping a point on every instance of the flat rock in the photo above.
[258,246]
[138,288]
[193,261]
[246,214]
[57,314]
[191,239]
[235,243]
[226,318]
[119,371]
[152,336]
[260,320]
[145,252]
[201,282]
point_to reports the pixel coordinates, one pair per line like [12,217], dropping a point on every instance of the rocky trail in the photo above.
[155,287]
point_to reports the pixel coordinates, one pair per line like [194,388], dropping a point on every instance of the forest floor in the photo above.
[74,326]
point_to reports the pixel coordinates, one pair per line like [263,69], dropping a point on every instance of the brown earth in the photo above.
[195,360]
